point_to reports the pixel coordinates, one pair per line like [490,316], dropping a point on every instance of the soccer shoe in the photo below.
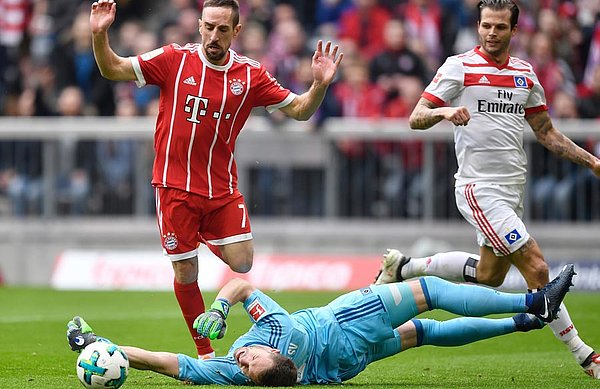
[527,322]
[554,292]
[79,334]
[591,365]
[391,267]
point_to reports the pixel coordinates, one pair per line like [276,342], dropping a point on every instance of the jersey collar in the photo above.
[489,60]
[217,67]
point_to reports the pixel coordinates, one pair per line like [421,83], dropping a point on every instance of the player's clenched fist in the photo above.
[459,116]
[102,15]
[211,324]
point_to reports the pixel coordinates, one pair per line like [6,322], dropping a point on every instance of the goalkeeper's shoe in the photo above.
[79,334]
[526,322]
[553,294]
[591,365]
[391,267]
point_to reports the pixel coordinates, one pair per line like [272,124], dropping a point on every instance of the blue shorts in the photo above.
[369,316]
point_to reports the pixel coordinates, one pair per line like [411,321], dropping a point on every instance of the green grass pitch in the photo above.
[34,351]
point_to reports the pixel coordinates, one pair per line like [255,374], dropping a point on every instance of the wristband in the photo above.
[221,305]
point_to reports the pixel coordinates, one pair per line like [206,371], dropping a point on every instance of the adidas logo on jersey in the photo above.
[484,80]
[190,81]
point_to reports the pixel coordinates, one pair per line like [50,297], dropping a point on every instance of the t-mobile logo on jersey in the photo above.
[195,105]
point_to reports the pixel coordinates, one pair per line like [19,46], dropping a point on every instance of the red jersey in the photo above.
[203,108]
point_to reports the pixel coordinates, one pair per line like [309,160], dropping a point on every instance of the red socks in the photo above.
[191,303]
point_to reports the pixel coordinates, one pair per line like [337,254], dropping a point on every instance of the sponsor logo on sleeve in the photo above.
[151,54]
[256,310]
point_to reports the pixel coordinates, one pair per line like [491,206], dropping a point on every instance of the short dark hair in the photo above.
[498,5]
[233,4]
[282,373]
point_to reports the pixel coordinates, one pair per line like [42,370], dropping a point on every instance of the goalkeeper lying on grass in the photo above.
[336,342]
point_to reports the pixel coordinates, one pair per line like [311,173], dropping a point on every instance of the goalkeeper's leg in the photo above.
[454,332]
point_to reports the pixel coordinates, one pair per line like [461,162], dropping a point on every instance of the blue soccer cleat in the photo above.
[553,294]
[526,322]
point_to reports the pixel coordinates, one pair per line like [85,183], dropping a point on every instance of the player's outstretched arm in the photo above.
[159,362]
[325,63]
[559,144]
[111,66]
[211,324]
[426,114]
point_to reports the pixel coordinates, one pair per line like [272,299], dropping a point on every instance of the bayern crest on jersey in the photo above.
[236,86]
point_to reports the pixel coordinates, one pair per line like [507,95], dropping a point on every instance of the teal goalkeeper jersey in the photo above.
[328,344]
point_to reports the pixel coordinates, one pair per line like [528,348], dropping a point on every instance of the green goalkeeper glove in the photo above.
[211,324]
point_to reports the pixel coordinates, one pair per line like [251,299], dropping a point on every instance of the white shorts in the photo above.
[495,211]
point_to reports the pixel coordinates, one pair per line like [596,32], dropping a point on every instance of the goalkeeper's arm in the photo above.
[235,291]
[211,324]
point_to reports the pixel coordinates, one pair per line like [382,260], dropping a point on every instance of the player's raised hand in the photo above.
[102,15]
[325,62]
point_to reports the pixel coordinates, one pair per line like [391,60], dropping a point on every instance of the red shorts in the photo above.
[186,219]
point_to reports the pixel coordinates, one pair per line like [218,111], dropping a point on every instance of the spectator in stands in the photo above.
[330,11]
[74,65]
[128,36]
[396,60]
[364,23]
[589,103]
[188,24]
[423,23]
[22,177]
[253,42]
[22,159]
[286,47]
[554,73]
[78,160]
[13,24]
[259,12]
[593,56]
[357,97]
[561,27]
[115,167]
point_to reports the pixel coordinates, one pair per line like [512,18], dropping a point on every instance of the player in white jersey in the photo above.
[488,95]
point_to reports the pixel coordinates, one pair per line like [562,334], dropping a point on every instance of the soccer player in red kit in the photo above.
[207,93]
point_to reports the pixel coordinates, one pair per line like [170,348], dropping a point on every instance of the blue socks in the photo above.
[464,330]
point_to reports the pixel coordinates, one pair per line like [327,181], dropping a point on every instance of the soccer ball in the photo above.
[102,365]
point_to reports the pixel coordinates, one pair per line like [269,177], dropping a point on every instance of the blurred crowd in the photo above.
[391,50]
